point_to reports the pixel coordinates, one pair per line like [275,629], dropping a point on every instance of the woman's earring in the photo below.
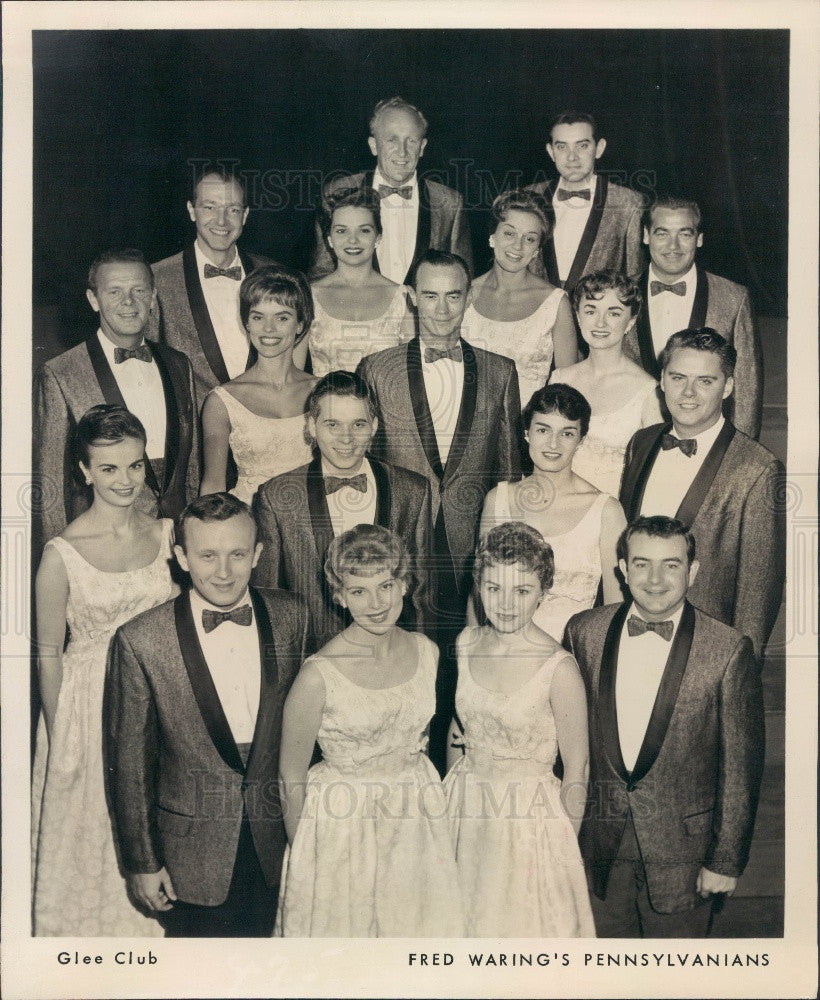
[492,241]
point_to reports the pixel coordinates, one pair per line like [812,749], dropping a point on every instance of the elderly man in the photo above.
[416,214]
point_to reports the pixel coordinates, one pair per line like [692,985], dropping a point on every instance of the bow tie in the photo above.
[565,195]
[638,626]
[334,483]
[687,445]
[239,616]
[223,272]
[454,353]
[405,192]
[141,353]
[679,288]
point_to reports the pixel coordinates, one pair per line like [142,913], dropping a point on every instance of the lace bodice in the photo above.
[262,447]
[365,728]
[340,344]
[528,341]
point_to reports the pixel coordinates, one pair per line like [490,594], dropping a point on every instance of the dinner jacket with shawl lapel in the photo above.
[735,508]
[486,447]
[442,224]
[69,385]
[726,308]
[611,237]
[694,788]
[181,318]
[296,531]
[177,782]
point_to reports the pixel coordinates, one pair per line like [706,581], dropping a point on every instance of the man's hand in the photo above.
[710,883]
[153,889]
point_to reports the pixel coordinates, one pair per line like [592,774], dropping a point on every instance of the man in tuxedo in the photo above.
[450,412]
[415,213]
[597,223]
[116,365]
[679,295]
[198,289]
[676,744]
[726,487]
[194,701]
[300,512]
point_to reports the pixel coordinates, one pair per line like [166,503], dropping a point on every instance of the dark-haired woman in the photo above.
[260,415]
[581,523]
[513,311]
[105,567]
[358,311]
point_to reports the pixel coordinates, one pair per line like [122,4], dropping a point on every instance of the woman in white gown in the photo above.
[514,312]
[520,699]
[370,852]
[581,523]
[358,311]
[260,415]
[108,565]
[622,396]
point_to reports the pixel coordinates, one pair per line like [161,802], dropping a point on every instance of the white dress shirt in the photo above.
[400,221]
[347,506]
[641,661]
[232,654]
[141,386]
[444,385]
[571,218]
[670,313]
[222,300]
[673,473]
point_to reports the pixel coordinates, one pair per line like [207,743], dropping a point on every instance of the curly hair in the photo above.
[515,542]
[363,551]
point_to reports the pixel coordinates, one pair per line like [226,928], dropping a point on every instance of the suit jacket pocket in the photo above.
[173,823]
[697,822]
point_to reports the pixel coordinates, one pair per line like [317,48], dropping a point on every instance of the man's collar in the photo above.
[202,260]
[706,438]
[198,602]
[364,466]
[438,344]
[654,276]
[412,181]
[674,617]
[591,183]
[109,346]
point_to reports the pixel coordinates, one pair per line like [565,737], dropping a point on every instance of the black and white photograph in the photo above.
[382,384]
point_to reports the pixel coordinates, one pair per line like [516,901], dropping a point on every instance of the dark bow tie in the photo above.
[335,483]
[638,626]
[405,192]
[223,272]
[688,446]
[454,353]
[239,616]
[141,353]
[679,288]
[564,194]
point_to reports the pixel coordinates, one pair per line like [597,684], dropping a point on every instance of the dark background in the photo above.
[120,116]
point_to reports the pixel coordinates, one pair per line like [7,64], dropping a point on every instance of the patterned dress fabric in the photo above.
[77,886]
[518,859]
[262,447]
[372,855]
[528,341]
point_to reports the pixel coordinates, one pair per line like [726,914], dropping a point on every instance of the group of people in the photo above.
[309,547]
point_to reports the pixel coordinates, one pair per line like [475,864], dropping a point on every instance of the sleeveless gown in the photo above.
[577,565]
[518,858]
[340,344]
[600,455]
[77,886]
[262,447]
[372,855]
[528,341]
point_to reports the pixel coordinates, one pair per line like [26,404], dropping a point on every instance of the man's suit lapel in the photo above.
[697,319]
[112,395]
[171,392]
[596,213]
[466,410]
[637,474]
[267,732]
[667,695]
[202,319]
[423,227]
[695,495]
[383,496]
[210,707]
[421,408]
[606,692]
[248,266]
[321,525]
[643,328]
